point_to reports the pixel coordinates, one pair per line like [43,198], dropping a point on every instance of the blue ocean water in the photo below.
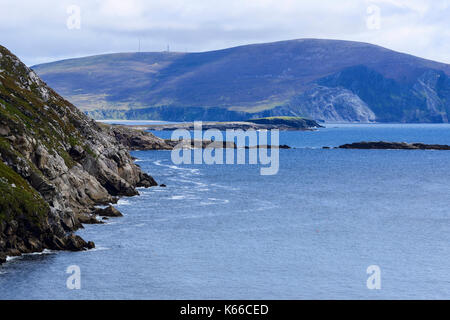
[309,232]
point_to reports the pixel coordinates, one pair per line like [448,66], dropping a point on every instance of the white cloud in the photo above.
[37,31]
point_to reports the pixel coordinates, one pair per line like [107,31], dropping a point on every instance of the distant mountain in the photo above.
[327,80]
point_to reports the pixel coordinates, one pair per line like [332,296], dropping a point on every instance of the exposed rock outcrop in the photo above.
[135,139]
[203,144]
[109,211]
[394,146]
[56,165]
[328,104]
[267,123]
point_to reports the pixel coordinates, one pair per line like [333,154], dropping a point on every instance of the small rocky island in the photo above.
[380,145]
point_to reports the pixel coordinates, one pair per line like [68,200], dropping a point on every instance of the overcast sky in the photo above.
[42,31]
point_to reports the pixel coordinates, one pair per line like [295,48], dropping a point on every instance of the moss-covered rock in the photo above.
[56,164]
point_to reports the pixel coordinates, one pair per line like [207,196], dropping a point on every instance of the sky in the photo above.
[44,31]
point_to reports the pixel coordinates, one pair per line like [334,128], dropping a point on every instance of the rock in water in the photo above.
[109,211]
[394,146]
[56,165]
[2,258]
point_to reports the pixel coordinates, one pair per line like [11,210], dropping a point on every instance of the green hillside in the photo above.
[288,78]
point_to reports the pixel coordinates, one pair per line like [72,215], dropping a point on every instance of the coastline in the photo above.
[56,166]
[142,220]
[283,123]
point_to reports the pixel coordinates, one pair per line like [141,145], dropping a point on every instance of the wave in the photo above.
[123,202]
[197,183]
[109,222]
[229,187]
[177,197]
[45,251]
[9,258]
[97,249]
[155,190]
[139,225]
[174,167]
[213,201]
[142,160]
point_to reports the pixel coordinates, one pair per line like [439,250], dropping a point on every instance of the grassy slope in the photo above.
[25,115]
[19,198]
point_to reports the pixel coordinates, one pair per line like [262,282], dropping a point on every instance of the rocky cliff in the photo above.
[56,165]
[136,138]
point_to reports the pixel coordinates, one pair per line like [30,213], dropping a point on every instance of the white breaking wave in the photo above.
[197,183]
[123,202]
[139,225]
[174,167]
[219,200]
[45,251]
[97,249]
[8,258]
[213,201]
[177,197]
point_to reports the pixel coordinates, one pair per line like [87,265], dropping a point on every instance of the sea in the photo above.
[331,224]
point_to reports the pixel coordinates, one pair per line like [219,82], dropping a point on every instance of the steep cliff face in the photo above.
[360,94]
[56,165]
[331,104]
[424,98]
[434,88]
